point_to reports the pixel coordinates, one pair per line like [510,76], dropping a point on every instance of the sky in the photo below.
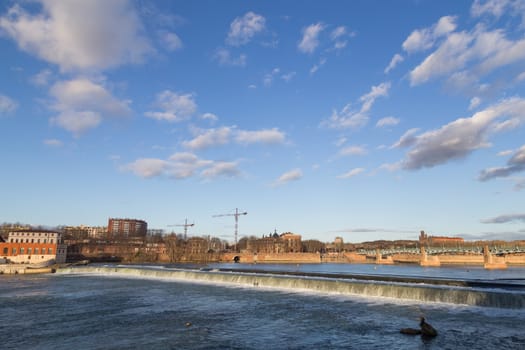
[364,120]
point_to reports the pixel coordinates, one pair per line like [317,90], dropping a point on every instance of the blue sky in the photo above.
[361,119]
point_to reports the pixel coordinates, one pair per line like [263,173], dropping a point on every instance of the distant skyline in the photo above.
[360,119]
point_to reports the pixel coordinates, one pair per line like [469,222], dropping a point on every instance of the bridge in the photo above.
[442,250]
[490,258]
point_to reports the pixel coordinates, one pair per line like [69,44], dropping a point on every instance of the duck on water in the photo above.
[425,329]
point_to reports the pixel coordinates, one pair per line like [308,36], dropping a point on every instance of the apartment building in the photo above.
[123,228]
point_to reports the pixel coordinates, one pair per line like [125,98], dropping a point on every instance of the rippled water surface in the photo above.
[101,312]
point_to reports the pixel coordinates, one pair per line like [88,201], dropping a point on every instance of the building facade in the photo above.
[123,228]
[276,244]
[33,246]
[425,239]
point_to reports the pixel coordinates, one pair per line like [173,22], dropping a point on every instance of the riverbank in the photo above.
[24,269]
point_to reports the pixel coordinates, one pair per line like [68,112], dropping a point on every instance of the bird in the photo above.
[427,329]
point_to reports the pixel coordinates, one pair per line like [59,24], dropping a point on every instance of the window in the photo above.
[49,250]
[21,250]
[29,250]
[14,251]
[6,250]
[36,251]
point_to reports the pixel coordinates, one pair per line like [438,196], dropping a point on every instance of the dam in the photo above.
[412,289]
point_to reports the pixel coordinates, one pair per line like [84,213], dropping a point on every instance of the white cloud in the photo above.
[408,139]
[391,166]
[292,175]
[505,153]
[77,122]
[218,137]
[341,141]
[173,107]
[182,165]
[82,104]
[474,103]
[7,104]
[423,39]
[242,29]
[449,57]
[74,34]
[267,136]
[53,143]
[310,39]
[147,167]
[218,169]
[387,121]
[338,33]
[338,36]
[268,78]
[288,76]
[351,118]
[505,125]
[209,116]
[170,40]
[353,151]
[396,59]
[515,164]
[316,66]
[42,78]
[224,57]
[495,8]
[376,91]
[346,118]
[209,138]
[464,57]
[351,173]
[457,139]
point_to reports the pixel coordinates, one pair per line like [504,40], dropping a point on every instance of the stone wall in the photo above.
[515,259]
[461,259]
[284,258]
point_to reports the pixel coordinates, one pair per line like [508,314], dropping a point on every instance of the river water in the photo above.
[150,310]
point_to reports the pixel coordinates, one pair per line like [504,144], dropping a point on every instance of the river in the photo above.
[144,307]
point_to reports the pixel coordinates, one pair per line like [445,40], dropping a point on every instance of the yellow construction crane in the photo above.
[236,215]
[186,225]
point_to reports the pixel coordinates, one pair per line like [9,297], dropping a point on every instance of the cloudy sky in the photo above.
[361,119]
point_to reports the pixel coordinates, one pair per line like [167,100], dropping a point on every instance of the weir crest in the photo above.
[497,298]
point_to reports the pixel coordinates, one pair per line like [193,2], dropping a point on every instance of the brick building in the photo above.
[425,239]
[123,228]
[284,243]
[33,246]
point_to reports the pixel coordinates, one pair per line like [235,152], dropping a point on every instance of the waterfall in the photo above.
[498,298]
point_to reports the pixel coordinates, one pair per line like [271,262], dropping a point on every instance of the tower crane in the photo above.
[186,225]
[236,215]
